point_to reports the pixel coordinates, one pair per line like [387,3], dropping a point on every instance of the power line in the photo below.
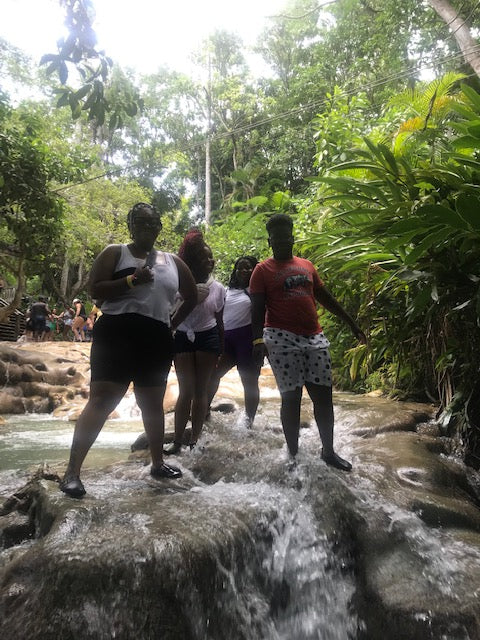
[464,22]
[419,66]
[346,93]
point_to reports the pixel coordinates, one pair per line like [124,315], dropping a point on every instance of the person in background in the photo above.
[95,313]
[79,321]
[132,340]
[55,322]
[66,319]
[39,313]
[237,321]
[198,341]
[51,326]
[91,319]
[88,328]
[287,288]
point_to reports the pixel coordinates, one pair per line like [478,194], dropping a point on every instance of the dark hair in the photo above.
[141,206]
[279,220]
[233,282]
[191,248]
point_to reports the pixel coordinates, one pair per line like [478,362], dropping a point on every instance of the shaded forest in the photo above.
[366,130]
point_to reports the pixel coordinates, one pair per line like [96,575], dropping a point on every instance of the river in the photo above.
[245,546]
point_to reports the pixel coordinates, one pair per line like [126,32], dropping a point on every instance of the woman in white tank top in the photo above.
[132,340]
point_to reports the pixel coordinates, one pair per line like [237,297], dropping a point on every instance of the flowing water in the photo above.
[277,540]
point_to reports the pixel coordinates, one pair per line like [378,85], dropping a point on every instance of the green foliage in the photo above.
[78,52]
[31,213]
[400,238]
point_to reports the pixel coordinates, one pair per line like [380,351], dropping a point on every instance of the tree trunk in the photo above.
[208,161]
[5,312]
[64,278]
[82,279]
[208,187]
[460,31]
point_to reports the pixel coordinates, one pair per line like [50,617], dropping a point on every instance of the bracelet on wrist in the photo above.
[131,280]
[257,341]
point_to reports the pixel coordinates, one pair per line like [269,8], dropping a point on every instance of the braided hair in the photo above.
[233,283]
[137,208]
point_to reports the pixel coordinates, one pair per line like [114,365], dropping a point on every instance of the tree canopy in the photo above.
[366,130]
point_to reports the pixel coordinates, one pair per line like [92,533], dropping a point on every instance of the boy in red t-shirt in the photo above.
[284,292]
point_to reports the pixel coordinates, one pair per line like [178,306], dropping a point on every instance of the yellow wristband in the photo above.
[130,281]
[258,341]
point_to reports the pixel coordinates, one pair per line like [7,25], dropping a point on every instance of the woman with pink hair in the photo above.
[198,341]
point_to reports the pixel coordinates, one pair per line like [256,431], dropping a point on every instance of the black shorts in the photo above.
[39,323]
[131,348]
[208,341]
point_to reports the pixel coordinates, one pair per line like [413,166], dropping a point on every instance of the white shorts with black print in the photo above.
[298,359]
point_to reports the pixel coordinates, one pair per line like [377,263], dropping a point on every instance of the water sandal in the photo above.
[165,471]
[73,488]
[333,460]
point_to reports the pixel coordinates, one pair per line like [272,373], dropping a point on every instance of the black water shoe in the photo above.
[73,487]
[333,460]
[172,449]
[165,471]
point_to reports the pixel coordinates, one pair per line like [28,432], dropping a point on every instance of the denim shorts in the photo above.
[208,341]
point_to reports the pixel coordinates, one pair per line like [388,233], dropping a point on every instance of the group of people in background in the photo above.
[73,323]
[158,307]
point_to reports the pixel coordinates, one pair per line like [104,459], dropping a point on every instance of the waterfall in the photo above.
[246,546]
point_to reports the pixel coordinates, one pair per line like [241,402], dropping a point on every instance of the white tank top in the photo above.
[155,299]
[238,309]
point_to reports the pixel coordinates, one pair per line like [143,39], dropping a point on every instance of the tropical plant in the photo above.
[402,235]
[31,213]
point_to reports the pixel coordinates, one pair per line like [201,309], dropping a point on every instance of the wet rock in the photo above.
[224,406]
[203,562]
[14,529]
[248,546]
[141,443]
[35,378]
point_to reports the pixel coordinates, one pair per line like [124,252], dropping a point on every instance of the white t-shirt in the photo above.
[238,309]
[203,315]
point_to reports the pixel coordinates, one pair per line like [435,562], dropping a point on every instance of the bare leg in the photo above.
[249,379]
[185,370]
[204,367]
[224,364]
[290,416]
[321,397]
[77,327]
[150,401]
[104,397]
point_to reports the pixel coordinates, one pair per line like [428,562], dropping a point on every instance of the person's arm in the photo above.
[258,320]
[187,288]
[101,285]
[327,300]
[221,328]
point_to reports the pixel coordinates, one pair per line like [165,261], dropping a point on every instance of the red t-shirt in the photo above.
[288,287]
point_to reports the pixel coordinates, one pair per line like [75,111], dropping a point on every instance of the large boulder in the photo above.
[248,546]
[51,377]
[40,377]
